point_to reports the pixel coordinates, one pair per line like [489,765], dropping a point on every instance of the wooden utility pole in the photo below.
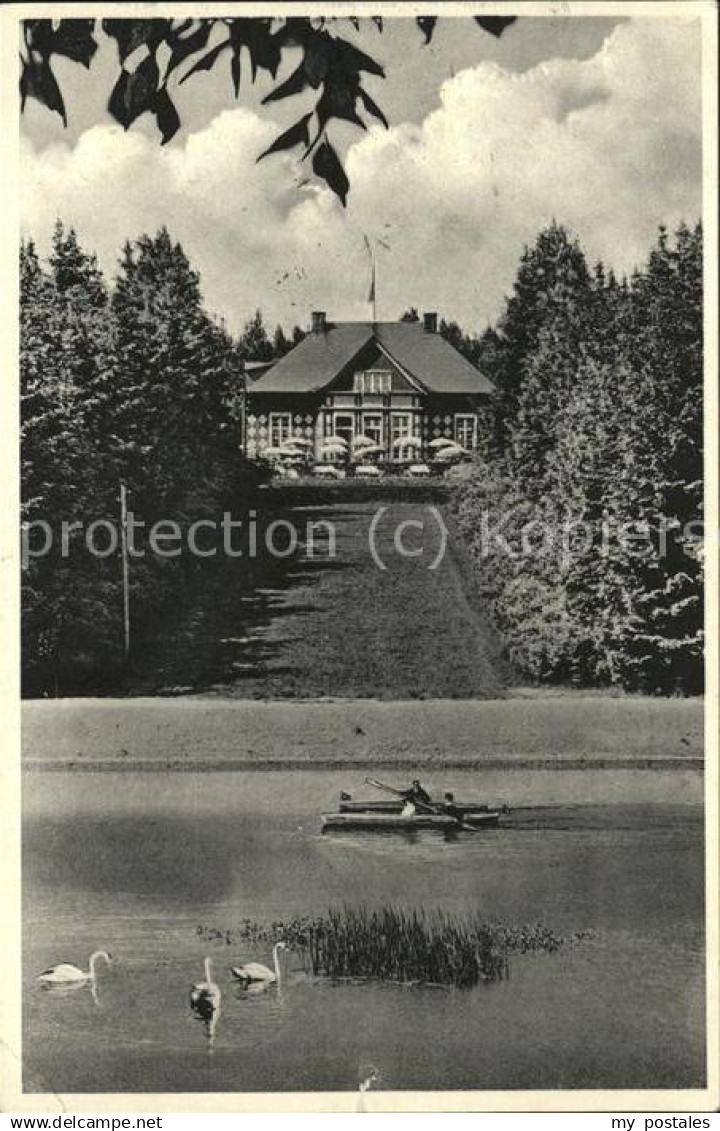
[125,569]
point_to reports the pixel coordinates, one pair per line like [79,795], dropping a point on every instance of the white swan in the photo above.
[65,973]
[368,1076]
[256,972]
[205,996]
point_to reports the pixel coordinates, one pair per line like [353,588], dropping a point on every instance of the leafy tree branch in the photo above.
[154,54]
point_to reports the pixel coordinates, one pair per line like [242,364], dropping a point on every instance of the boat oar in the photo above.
[428,807]
[388,788]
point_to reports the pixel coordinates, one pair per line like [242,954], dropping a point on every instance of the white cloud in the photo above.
[609,145]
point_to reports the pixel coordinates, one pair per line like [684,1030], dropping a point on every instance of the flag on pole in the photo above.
[371,293]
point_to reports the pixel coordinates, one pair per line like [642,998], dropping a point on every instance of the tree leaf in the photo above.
[166,115]
[38,35]
[134,94]
[317,55]
[74,39]
[372,107]
[265,52]
[294,31]
[207,61]
[263,46]
[350,58]
[427,26]
[37,81]
[295,84]
[495,24]
[297,134]
[338,100]
[131,34]
[327,166]
[183,43]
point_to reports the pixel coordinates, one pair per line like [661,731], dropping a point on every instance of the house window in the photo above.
[466,430]
[280,428]
[373,382]
[373,427]
[338,425]
[344,426]
[400,425]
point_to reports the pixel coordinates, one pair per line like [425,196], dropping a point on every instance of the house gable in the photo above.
[334,352]
[373,360]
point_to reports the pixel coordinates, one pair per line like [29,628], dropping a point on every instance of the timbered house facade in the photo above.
[381,380]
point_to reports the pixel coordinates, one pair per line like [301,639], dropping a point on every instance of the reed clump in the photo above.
[401,945]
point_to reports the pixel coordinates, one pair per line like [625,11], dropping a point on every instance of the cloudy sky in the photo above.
[595,122]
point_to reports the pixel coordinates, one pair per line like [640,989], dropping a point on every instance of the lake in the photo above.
[139,863]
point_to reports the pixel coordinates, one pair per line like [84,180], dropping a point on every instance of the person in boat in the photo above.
[416,799]
[450,807]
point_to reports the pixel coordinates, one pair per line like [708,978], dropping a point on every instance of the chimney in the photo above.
[430,322]
[318,321]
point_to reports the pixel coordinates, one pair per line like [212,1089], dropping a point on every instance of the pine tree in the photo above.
[281,345]
[136,387]
[464,343]
[254,343]
[553,282]
[175,376]
[551,374]
[603,455]
[68,609]
[72,269]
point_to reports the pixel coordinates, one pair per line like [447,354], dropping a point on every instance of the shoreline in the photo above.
[479,764]
[207,735]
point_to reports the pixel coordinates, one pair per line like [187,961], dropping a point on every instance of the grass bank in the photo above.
[372,604]
[574,731]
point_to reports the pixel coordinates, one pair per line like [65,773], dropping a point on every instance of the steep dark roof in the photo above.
[319,357]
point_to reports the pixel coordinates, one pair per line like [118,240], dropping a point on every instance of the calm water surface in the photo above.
[135,862]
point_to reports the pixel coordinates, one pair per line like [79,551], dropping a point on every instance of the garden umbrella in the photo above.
[442,442]
[449,452]
[407,442]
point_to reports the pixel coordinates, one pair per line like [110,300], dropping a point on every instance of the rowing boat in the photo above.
[395,822]
[351,806]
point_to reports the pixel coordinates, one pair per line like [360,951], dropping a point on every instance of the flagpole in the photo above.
[373,289]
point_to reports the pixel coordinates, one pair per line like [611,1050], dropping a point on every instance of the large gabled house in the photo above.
[382,380]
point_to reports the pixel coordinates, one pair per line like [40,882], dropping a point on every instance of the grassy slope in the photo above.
[340,627]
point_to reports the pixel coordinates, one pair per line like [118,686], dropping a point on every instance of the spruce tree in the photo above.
[69,612]
[552,283]
[281,345]
[604,439]
[174,379]
[254,343]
